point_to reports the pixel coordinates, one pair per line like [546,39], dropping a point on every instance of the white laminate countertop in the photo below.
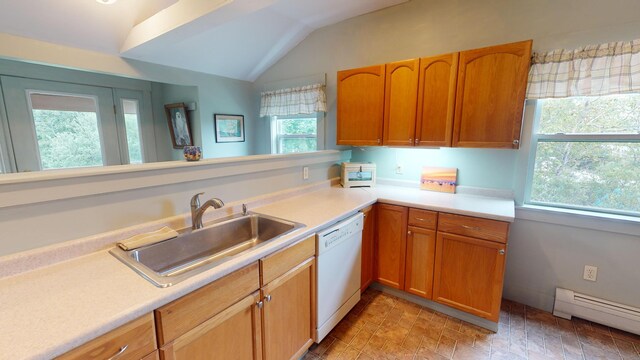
[49,311]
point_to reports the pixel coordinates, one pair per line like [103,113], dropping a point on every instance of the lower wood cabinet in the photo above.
[421,247]
[368,236]
[469,274]
[235,333]
[391,245]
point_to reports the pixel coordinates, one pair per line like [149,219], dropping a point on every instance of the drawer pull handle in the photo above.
[122,350]
[475,228]
[421,219]
[268,298]
[501,251]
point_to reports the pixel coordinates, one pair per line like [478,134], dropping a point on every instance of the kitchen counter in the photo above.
[48,311]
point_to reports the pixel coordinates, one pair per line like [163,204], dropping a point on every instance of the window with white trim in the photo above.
[296,133]
[585,154]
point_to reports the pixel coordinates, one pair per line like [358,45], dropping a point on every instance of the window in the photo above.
[66,129]
[297,133]
[132,130]
[586,154]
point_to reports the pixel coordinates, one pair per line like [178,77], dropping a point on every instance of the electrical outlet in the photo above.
[305,173]
[590,272]
[399,169]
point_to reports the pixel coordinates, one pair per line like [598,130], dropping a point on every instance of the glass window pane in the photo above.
[612,114]
[303,126]
[66,130]
[293,145]
[132,129]
[597,175]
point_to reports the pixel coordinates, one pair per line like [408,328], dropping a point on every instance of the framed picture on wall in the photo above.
[229,128]
[179,125]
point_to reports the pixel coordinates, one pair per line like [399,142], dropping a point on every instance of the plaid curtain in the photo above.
[293,101]
[603,69]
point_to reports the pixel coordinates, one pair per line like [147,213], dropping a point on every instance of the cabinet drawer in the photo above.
[189,311]
[423,218]
[137,338]
[486,229]
[284,260]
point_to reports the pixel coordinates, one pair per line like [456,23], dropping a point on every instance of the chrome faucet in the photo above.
[197,210]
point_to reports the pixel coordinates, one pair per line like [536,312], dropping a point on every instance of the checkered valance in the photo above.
[293,101]
[603,69]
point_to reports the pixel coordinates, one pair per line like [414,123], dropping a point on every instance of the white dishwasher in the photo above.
[339,250]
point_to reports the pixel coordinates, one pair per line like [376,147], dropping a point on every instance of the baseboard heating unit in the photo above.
[619,316]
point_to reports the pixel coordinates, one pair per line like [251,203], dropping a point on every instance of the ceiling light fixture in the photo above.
[106,2]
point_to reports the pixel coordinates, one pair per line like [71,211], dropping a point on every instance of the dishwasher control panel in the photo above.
[339,232]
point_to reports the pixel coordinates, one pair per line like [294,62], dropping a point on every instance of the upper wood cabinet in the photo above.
[360,106]
[490,96]
[436,100]
[400,97]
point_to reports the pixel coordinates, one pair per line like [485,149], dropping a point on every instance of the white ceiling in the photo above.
[234,38]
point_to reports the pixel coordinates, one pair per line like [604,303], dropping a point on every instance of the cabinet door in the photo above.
[469,274]
[436,100]
[360,106]
[391,245]
[232,334]
[368,233]
[400,97]
[288,323]
[421,248]
[490,96]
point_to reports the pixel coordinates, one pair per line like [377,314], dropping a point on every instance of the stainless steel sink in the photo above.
[174,260]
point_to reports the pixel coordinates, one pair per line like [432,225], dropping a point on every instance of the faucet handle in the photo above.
[195,200]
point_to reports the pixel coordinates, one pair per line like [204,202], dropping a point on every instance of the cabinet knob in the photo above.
[378,141]
[409,232]
[410,141]
[501,251]
[516,142]
[417,141]
[267,298]
[259,304]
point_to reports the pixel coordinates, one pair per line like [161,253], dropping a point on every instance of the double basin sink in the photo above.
[190,253]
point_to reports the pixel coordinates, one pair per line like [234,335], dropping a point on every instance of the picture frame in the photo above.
[229,128]
[179,126]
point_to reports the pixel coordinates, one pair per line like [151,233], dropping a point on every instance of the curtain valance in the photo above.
[293,101]
[603,69]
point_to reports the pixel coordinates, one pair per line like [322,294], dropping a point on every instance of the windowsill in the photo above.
[629,225]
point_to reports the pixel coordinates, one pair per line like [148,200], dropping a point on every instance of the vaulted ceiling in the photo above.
[239,39]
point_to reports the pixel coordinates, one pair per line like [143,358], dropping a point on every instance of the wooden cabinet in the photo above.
[436,100]
[474,98]
[288,298]
[400,97]
[421,246]
[288,320]
[469,271]
[234,333]
[368,236]
[490,96]
[132,341]
[391,245]
[360,106]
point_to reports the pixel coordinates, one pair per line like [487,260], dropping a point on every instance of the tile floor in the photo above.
[382,326]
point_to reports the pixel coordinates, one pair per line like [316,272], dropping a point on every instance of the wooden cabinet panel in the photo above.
[368,236]
[185,313]
[436,100]
[475,227]
[284,260]
[360,106]
[232,334]
[490,96]
[391,245]
[468,274]
[423,218]
[133,341]
[153,356]
[421,247]
[400,97]
[288,322]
